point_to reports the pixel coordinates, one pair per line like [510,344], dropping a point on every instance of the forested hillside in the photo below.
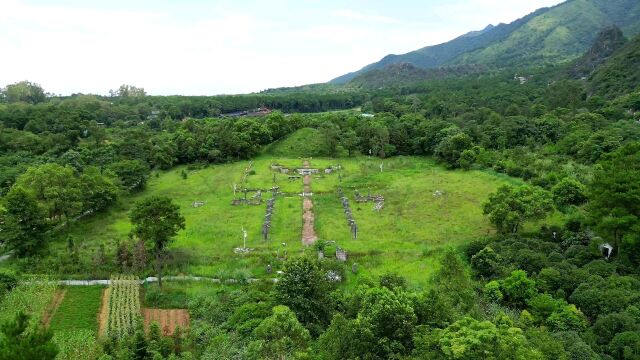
[620,74]
[549,35]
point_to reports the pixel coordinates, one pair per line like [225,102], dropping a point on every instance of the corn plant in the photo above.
[124,306]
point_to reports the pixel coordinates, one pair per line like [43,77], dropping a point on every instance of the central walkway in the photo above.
[308,232]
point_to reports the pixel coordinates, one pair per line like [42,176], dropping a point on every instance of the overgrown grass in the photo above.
[305,142]
[406,237]
[78,310]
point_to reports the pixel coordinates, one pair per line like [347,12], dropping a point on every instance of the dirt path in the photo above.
[103,314]
[307,183]
[308,232]
[58,296]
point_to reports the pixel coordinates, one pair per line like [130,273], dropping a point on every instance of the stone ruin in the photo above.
[362,199]
[341,255]
[348,214]
[606,250]
[279,168]
[266,225]
[244,249]
[333,276]
[197,204]
[378,200]
[255,199]
[307,171]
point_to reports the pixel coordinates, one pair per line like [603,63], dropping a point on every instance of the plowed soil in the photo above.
[167,319]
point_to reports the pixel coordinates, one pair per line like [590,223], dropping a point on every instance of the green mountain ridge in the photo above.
[404,73]
[619,74]
[609,40]
[548,35]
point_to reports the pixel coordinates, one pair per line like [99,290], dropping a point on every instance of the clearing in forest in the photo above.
[426,207]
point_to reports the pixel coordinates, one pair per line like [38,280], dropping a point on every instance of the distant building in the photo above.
[261,111]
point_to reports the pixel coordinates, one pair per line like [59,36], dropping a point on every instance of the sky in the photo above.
[199,47]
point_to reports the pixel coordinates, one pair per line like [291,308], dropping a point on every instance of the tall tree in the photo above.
[18,342]
[24,91]
[305,290]
[614,195]
[56,187]
[280,336]
[24,226]
[510,206]
[156,220]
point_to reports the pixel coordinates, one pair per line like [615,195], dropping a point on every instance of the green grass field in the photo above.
[79,309]
[405,237]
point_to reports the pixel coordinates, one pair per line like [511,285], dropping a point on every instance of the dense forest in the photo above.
[554,291]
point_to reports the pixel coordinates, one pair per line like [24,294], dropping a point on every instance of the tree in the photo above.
[24,228]
[99,190]
[55,187]
[569,191]
[280,336]
[467,159]
[567,318]
[156,220]
[470,339]
[487,263]
[614,192]
[518,288]
[625,345]
[304,288]
[452,280]
[451,148]
[607,326]
[331,135]
[343,339]
[20,343]
[374,137]
[24,91]
[127,91]
[132,174]
[349,140]
[510,206]
[389,316]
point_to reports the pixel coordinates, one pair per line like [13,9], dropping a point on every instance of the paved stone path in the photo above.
[308,232]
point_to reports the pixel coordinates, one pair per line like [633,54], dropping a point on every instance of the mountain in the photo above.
[609,40]
[404,73]
[548,35]
[619,74]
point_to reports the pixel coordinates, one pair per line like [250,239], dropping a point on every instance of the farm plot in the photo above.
[78,309]
[167,319]
[124,306]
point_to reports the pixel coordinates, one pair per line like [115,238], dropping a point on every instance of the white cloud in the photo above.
[356,15]
[221,49]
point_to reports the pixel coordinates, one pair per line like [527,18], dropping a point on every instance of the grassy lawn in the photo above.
[405,237]
[79,309]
